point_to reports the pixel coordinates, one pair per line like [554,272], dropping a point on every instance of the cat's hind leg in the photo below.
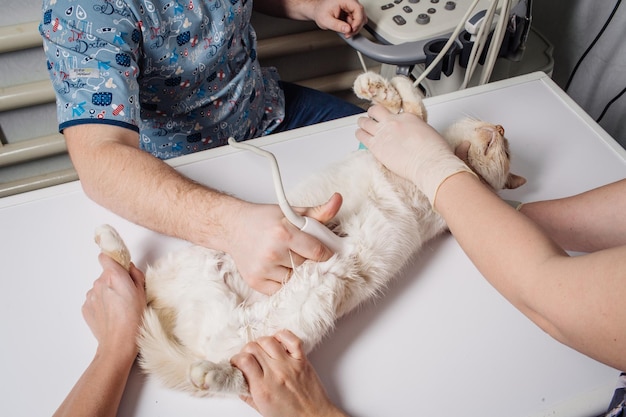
[410,96]
[218,378]
[111,244]
[377,89]
[177,367]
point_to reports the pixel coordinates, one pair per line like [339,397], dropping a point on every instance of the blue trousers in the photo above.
[305,106]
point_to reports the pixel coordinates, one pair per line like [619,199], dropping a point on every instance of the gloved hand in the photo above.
[409,147]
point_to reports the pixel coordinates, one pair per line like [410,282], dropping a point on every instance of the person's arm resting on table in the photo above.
[586,222]
[577,300]
[115,173]
[105,87]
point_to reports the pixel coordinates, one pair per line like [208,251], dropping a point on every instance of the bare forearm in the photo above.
[156,196]
[132,183]
[291,9]
[579,301]
[587,222]
[343,16]
[147,191]
[501,243]
[99,390]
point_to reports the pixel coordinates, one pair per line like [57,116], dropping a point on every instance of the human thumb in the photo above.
[325,212]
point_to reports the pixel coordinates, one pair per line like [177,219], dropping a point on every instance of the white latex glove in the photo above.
[409,147]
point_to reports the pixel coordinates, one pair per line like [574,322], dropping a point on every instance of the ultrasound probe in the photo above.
[306,224]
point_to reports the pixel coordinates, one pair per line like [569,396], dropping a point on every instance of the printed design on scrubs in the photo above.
[184,74]
[617,408]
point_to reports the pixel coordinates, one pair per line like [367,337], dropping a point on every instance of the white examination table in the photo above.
[440,342]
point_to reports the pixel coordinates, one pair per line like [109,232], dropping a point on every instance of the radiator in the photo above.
[282,51]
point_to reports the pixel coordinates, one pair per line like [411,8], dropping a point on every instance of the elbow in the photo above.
[91,182]
[90,190]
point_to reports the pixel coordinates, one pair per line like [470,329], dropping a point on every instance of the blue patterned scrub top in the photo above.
[182,73]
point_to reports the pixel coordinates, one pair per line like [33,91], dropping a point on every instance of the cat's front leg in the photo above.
[410,96]
[218,378]
[377,89]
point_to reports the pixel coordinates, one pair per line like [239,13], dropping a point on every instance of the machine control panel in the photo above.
[400,21]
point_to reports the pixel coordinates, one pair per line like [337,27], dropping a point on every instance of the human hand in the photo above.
[266,246]
[114,307]
[409,147]
[343,16]
[281,379]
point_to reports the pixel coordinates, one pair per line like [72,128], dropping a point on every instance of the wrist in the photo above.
[328,409]
[517,205]
[459,175]
[117,356]
[431,178]
[305,11]
[213,220]
[336,412]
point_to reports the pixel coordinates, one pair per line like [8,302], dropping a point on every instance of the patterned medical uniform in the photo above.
[617,408]
[184,74]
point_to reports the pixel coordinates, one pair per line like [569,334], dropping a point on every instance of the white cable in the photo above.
[484,38]
[308,225]
[448,44]
[293,217]
[360,55]
[479,44]
[496,42]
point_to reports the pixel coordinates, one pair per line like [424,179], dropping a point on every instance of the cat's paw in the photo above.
[218,378]
[111,244]
[375,88]
[411,97]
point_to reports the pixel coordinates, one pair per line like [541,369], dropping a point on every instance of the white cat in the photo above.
[200,311]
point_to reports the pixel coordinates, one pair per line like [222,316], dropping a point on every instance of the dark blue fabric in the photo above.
[305,106]
[617,408]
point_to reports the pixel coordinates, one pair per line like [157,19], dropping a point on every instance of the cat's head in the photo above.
[488,153]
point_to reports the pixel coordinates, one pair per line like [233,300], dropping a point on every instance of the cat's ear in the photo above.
[513,181]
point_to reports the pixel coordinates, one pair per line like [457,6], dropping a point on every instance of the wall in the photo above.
[571,26]
[18,68]
[308,67]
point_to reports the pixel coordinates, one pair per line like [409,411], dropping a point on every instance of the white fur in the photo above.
[201,312]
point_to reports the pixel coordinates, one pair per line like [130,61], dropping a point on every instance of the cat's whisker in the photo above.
[287,276]
[291,261]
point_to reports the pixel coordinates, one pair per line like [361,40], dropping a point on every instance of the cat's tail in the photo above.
[176,367]
[161,355]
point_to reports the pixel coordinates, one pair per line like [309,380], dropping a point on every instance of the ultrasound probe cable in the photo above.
[451,40]
[304,223]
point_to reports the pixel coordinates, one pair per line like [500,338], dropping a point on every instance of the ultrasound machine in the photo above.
[445,45]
